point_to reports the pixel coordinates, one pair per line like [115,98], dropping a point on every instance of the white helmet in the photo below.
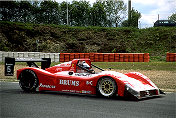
[85,65]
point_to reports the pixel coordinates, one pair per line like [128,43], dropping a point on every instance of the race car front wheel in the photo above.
[28,80]
[106,87]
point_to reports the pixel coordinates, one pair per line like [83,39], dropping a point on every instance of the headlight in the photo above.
[130,89]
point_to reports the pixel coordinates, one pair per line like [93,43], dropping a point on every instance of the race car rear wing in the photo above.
[10,63]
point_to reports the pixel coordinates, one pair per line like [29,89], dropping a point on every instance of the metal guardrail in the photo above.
[36,55]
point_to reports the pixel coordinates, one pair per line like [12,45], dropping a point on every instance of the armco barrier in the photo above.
[171,57]
[106,57]
[54,56]
[94,57]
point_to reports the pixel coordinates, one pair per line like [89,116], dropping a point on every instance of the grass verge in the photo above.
[163,74]
[165,66]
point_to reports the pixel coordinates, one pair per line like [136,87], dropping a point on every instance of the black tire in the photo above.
[106,87]
[28,80]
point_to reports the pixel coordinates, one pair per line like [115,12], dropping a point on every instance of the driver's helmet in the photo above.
[85,65]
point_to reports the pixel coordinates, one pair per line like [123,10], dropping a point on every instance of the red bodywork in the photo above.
[57,78]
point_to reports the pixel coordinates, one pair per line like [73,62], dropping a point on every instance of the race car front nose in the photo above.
[140,94]
[129,89]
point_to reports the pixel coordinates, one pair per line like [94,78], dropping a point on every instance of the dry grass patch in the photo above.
[165,80]
[9,78]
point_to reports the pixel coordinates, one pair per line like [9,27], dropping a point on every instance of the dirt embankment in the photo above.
[54,38]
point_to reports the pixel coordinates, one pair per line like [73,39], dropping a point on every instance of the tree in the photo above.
[63,12]
[98,14]
[172,17]
[115,12]
[49,12]
[124,23]
[24,11]
[8,10]
[36,12]
[135,16]
[80,13]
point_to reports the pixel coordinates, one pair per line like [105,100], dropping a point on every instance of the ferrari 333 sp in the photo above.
[78,76]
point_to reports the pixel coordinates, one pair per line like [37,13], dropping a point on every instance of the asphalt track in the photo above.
[19,104]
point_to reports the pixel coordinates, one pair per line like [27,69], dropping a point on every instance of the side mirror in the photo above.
[70,73]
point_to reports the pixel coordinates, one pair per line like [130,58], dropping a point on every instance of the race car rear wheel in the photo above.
[106,87]
[28,80]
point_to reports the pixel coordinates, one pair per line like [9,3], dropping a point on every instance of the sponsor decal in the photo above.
[68,82]
[88,92]
[75,91]
[82,74]
[58,69]
[66,64]
[72,68]
[46,86]
[89,82]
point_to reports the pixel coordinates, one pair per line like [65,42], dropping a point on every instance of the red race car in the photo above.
[78,76]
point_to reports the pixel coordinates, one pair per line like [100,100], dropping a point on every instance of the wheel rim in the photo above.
[107,87]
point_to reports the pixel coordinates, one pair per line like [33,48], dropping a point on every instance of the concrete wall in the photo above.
[36,55]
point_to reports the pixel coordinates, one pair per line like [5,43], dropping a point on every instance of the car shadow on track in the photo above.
[86,96]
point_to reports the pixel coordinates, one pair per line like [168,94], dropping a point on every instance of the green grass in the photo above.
[161,73]
[154,65]
[166,66]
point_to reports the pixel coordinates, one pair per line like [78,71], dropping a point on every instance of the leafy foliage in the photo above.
[115,11]
[80,13]
[133,22]
[58,38]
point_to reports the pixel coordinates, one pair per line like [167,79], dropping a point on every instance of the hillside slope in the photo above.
[53,38]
